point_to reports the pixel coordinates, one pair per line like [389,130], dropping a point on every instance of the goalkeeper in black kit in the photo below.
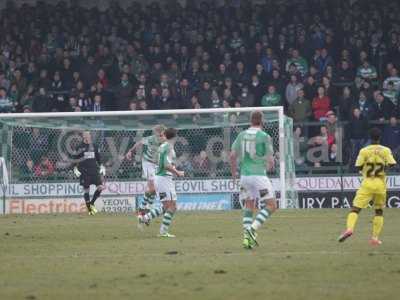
[89,170]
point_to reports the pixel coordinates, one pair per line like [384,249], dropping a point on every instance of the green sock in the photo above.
[166,222]
[154,213]
[261,217]
[148,199]
[247,218]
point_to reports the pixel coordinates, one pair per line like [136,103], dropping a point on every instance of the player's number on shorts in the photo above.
[375,170]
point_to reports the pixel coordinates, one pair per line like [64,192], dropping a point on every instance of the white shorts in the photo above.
[165,188]
[149,170]
[256,187]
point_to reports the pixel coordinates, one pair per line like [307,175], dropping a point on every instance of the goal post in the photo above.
[3,182]
[203,144]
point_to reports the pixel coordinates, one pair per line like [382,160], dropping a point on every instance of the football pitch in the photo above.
[106,257]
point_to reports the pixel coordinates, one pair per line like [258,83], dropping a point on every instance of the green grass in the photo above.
[106,257]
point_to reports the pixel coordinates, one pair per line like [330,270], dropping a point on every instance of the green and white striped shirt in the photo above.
[166,157]
[367,73]
[150,148]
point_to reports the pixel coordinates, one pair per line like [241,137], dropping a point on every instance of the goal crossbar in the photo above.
[278,109]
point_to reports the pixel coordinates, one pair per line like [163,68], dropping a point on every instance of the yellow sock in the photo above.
[352,220]
[377,225]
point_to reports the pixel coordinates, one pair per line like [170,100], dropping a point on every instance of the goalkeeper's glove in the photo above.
[76,172]
[102,170]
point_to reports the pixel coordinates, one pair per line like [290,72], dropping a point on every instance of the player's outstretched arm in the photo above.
[77,157]
[102,168]
[360,161]
[390,161]
[173,170]
[133,149]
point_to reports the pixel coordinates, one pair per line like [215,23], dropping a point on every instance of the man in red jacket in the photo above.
[321,105]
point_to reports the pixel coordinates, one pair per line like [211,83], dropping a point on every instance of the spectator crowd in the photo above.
[329,62]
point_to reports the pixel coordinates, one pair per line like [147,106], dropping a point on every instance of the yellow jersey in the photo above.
[373,161]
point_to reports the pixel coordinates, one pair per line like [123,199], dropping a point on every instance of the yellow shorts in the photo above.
[368,191]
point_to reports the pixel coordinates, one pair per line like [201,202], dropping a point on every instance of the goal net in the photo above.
[39,147]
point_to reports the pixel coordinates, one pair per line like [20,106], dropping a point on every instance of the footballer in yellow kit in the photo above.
[373,160]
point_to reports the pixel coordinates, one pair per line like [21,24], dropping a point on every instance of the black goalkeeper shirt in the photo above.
[88,158]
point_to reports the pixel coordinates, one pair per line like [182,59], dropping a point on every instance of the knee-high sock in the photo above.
[148,199]
[352,220]
[261,217]
[247,218]
[377,225]
[95,196]
[87,199]
[166,222]
[154,213]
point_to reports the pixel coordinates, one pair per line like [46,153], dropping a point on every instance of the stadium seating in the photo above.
[333,66]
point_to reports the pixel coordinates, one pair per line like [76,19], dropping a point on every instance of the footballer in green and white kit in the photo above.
[164,184]
[253,149]
[150,145]
[150,155]
[252,146]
